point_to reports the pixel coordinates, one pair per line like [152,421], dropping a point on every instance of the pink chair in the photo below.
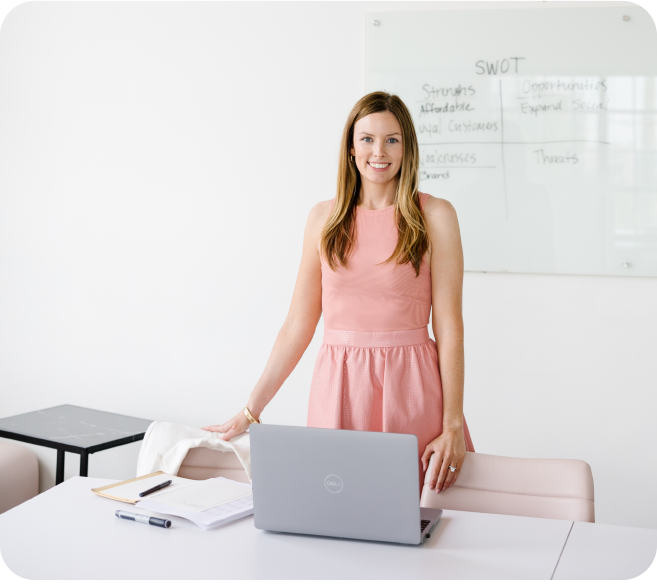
[544,488]
[202,463]
[19,475]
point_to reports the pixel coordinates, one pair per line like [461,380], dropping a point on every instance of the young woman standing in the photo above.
[377,260]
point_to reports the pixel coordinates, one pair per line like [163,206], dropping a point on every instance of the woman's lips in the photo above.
[381,169]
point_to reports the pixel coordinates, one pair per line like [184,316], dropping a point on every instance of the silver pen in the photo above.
[142,518]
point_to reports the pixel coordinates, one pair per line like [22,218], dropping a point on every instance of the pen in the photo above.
[154,488]
[142,518]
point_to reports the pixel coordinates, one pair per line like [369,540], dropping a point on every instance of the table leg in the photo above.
[84,464]
[59,476]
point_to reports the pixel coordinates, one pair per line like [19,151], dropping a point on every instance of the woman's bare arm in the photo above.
[447,323]
[297,330]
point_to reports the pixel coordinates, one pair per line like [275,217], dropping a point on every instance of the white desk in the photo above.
[70,533]
[606,552]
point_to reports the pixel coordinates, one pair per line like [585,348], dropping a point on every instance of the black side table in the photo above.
[74,429]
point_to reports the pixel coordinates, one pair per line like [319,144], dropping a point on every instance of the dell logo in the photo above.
[333,483]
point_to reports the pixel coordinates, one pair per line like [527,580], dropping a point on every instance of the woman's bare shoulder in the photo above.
[319,213]
[322,208]
[439,212]
[317,218]
[444,234]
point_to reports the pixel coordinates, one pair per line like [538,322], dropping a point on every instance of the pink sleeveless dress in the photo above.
[377,369]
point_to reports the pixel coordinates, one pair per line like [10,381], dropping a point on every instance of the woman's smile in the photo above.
[378,166]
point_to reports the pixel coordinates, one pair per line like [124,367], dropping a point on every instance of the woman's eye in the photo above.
[390,140]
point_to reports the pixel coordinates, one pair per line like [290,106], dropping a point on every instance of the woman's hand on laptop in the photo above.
[235,426]
[449,450]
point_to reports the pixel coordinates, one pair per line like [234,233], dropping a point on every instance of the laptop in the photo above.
[336,483]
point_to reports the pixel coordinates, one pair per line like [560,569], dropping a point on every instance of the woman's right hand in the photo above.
[235,426]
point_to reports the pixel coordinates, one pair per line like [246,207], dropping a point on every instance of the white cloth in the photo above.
[165,446]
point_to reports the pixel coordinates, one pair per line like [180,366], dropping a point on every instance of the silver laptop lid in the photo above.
[351,484]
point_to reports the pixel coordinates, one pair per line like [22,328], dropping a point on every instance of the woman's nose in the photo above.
[379,149]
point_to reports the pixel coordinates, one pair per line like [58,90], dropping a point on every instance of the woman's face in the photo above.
[378,148]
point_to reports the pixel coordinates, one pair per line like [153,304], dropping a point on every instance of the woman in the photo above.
[375,260]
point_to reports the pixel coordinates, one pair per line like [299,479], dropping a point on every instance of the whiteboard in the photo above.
[539,126]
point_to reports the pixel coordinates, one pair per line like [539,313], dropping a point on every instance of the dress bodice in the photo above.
[370,297]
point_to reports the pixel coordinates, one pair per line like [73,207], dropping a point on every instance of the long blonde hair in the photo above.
[339,232]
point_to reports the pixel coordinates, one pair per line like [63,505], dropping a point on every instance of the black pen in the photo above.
[154,488]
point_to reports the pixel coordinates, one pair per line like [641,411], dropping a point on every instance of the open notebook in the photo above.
[208,503]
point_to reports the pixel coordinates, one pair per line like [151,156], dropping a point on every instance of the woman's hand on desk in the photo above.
[449,448]
[235,426]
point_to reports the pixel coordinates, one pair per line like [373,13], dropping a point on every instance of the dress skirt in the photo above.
[380,381]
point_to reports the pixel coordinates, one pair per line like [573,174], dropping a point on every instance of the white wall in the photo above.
[157,165]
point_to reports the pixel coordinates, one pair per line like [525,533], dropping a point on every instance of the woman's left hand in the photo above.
[449,448]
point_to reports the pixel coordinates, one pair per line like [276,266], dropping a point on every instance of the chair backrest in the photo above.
[544,488]
[19,474]
[202,463]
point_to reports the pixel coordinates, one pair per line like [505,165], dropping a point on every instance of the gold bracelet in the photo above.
[251,418]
